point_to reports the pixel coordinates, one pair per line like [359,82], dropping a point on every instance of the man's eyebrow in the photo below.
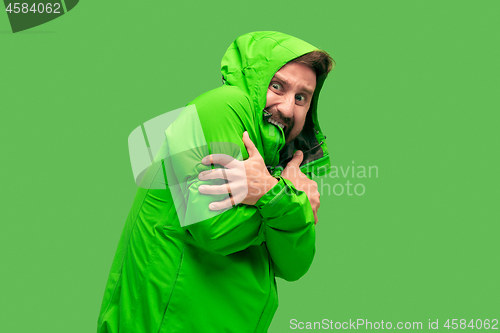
[281,78]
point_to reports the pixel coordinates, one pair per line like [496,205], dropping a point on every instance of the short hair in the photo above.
[319,61]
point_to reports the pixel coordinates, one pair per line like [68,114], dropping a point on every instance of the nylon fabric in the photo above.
[216,275]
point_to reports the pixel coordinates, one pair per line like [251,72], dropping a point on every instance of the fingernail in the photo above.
[201,188]
[204,160]
[298,153]
[212,206]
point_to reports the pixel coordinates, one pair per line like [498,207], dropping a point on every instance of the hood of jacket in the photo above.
[250,63]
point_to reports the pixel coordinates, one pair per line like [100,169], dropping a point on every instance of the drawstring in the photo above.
[319,144]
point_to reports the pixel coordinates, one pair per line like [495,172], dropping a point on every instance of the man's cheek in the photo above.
[269,98]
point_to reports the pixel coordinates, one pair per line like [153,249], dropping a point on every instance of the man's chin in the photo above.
[288,139]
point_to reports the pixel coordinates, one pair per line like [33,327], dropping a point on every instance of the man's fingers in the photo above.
[213,174]
[218,205]
[297,159]
[251,149]
[222,159]
[214,189]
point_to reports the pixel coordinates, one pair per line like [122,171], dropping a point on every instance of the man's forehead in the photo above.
[303,84]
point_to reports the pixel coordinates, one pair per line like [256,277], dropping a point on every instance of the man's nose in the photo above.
[287,105]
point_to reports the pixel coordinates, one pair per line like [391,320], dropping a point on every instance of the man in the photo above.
[201,254]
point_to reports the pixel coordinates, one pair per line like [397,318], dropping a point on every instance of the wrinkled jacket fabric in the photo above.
[218,275]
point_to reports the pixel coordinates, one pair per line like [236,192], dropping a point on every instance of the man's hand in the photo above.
[247,180]
[301,182]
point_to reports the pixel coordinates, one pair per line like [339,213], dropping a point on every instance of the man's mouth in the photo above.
[274,122]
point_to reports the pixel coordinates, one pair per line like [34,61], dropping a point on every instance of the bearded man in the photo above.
[228,205]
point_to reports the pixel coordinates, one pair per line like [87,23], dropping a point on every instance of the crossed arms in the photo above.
[260,207]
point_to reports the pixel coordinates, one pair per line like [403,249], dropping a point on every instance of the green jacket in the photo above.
[182,268]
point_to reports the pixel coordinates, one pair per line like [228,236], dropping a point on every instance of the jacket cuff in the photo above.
[272,204]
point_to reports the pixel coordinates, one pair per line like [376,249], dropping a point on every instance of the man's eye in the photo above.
[300,98]
[276,86]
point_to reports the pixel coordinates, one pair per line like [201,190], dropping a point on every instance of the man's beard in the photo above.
[278,117]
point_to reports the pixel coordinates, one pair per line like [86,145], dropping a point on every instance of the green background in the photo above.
[415,93]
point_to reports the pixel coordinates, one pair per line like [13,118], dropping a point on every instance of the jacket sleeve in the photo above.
[289,227]
[282,218]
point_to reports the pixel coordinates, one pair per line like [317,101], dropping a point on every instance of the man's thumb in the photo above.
[297,158]
[251,149]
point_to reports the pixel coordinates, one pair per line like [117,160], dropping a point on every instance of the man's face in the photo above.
[289,97]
